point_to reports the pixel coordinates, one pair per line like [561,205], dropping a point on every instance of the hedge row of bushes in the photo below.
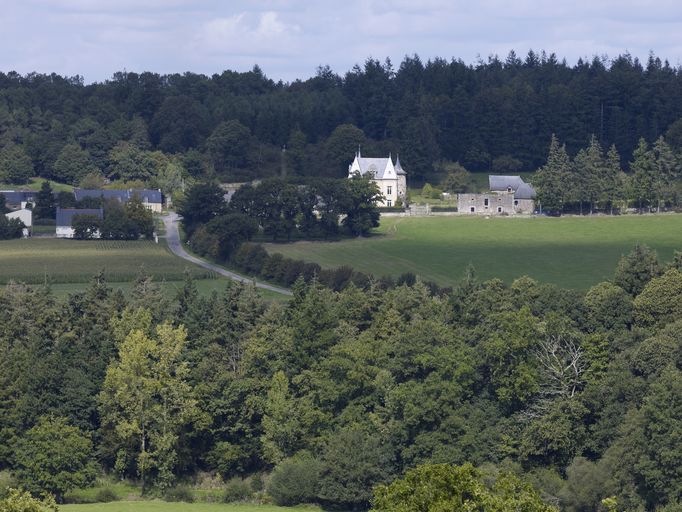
[255,261]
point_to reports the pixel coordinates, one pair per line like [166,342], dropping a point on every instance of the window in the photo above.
[508,189]
[389,203]
[499,209]
[389,189]
[473,209]
[516,202]
[485,201]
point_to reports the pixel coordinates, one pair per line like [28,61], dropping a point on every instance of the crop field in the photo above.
[573,252]
[32,261]
[162,506]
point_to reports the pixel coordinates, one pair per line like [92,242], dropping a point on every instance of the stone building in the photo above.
[509,195]
[391,178]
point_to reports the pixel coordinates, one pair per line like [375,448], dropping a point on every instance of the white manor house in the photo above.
[390,177]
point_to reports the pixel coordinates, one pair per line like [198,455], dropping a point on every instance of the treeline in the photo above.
[595,179]
[159,128]
[337,392]
[277,209]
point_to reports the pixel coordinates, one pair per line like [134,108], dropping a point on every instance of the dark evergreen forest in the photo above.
[336,392]
[236,124]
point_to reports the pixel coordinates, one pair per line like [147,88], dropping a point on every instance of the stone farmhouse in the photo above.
[509,195]
[65,220]
[390,177]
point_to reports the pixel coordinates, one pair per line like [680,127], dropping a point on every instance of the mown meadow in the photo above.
[572,252]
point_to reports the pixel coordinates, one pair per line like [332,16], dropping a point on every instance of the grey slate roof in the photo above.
[525,191]
[65,215]
[376,166]
[398,168]
[17,196]
[123,196]
[502,183]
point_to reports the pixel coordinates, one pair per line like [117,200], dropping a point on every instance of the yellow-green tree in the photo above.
[146,400]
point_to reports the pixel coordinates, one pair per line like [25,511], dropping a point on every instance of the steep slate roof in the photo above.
[398,168]
[376,166]
[123,196]
[525,191]
[17,196]
[65,215]
[502,183]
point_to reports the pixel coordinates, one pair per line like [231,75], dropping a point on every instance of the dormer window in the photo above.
[509,189]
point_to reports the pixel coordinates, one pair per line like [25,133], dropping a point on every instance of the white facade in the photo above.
[24,215]
[68,232]
[390,178]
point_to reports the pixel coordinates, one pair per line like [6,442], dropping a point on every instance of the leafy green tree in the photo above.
[222,236]
[441,487]
[128,162]
[3,204]
[146,401]
[340,147]
[609,307]
[180,123]
[667,171]
[636,269]
[85,226]
[201,203]
[18,501]
[458,179]
[15,165]
[140,219]
[354,462]
[506,164]
[45,207]
[73,164]
[295,480]
[10,228]
[360,205]
[55,457]
[228,145]
[659,302]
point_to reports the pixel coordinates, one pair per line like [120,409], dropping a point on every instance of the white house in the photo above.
[65,220]
[24,215]
[391,178]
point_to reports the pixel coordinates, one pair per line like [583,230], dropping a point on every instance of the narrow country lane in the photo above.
[173,239]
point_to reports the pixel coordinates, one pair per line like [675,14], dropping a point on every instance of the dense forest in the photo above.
[495,114]
[339,391]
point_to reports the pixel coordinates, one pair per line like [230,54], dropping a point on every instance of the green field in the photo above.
[35,184]
[76,261]
[573,252]
[162,506]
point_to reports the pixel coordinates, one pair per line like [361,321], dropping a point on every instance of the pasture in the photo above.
[572,252]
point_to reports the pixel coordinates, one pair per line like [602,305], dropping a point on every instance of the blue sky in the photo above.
[290,38]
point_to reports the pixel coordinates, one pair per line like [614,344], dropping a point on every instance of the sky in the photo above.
[289,39]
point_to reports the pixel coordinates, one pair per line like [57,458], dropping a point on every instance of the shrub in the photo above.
[236,490]
[295,480]
[105,495]
[179,493]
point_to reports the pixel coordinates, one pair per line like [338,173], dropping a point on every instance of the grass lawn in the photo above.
[35,184]
[573,252]
[162,506]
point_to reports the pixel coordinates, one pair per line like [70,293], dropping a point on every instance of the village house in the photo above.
[391,178]
[24,215]
[151,199]
[508,195]
[18,199]
[65,218]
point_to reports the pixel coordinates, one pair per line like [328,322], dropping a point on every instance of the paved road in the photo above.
[173,240]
